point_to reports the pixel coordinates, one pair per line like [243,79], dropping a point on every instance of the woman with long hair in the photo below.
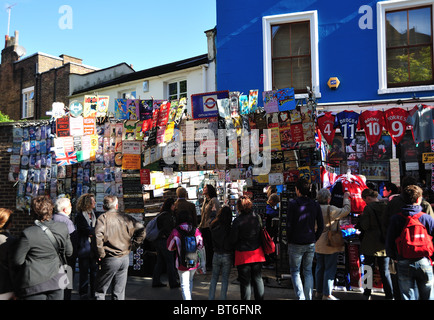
[165,224]
[222,259]
[249,256]
[87,262]
[210,207]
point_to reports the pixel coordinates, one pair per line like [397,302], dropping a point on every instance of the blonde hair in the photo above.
[4,217]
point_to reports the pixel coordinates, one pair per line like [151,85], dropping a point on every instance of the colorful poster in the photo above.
[121,109]
[89,126]
[164,113]
[102,106]
[204,105]
[270,101]
[75,109]
[285,99]
[253,100]
[131,162]
[244,104]
[297,132]
[144,112]
[62,126]
[129,130]
[89,107]
[132,106]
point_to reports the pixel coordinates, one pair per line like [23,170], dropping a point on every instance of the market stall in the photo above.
[239,143]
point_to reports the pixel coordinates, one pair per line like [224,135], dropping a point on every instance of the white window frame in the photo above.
[267,23]
[382,8]
[25,108]
[178,84]
[128,94]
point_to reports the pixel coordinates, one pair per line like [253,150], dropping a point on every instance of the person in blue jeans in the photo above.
[222,258]
[326,255]
[415,276]
[304,226]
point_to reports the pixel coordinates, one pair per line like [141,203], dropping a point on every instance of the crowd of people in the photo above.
[36,265]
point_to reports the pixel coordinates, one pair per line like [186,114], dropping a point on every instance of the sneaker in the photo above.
[329,298]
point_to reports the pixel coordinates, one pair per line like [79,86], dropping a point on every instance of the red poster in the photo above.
[89,124]
[62,126]
[297,132]
[164,113]
[145,176]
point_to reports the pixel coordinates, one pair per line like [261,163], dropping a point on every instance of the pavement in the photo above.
[276,289]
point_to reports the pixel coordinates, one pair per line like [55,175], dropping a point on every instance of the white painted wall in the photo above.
[200,79]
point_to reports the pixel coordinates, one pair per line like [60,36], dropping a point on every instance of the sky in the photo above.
[142,33]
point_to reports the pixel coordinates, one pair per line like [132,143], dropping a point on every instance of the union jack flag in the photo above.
[66,158]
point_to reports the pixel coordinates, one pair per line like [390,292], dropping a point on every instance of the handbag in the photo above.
[334,237]
[267,242]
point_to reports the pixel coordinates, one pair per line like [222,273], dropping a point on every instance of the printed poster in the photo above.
[62,126]
[204,105]
[89,107]
[121,109]
[131,162]
[270,101]
[102,106]
[285,99]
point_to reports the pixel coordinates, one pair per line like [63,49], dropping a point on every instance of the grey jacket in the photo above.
[38,260]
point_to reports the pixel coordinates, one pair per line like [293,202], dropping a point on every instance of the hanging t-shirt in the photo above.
[347,121]
[395,123]
[372,121]
[421,118]
[326,123]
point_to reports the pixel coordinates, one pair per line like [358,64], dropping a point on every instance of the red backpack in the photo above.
[414,241]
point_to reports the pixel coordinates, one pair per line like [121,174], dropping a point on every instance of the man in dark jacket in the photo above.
[114,233]
[415,274]
[305,224]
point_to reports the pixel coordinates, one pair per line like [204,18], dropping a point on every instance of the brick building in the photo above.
[29,85]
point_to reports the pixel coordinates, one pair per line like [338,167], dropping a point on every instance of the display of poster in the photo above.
[90,106]
[204,105]
[285,99]
[62,126]
[131,162]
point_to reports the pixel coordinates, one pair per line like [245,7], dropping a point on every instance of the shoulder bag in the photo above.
[268,244]
[334,237]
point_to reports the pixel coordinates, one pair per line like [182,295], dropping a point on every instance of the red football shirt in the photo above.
[326,122]
[396,123]
[372,122]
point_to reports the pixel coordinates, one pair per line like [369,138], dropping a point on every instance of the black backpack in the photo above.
[188,256]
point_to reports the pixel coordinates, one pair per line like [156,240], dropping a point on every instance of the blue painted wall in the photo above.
[345,50]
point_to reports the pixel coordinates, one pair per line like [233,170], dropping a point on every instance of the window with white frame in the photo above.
[177,90]
[291,52]
[405,45]
[128,94]
[28,107]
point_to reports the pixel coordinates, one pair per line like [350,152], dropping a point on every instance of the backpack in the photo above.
[152,231]
[414,241]
[188,256]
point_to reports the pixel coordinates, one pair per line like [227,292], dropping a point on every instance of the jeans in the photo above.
[164,258]
[386,279]
[301,257]
[113,269]
[220,262]
[325,272]
[415,276]
[250,274]
[186,279]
